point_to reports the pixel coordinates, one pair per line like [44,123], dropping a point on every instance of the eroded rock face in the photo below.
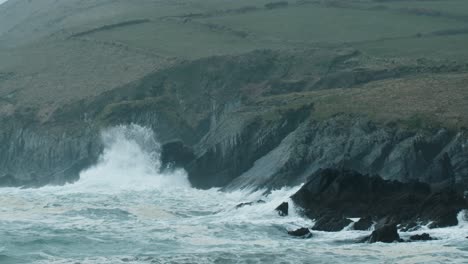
[333,194]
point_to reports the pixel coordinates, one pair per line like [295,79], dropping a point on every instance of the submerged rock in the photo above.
[386,234]
[363,224]
[421,237]
[301,232]
[336,194]
[283,209]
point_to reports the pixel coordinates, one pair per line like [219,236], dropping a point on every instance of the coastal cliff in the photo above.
[252,104]
[263,119]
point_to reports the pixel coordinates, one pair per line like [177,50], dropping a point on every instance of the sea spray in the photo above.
[130,161]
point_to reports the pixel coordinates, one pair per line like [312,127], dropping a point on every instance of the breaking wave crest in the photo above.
[130,161]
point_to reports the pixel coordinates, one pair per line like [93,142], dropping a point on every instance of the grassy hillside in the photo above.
[54,53]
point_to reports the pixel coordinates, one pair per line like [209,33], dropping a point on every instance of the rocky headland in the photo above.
[333,197]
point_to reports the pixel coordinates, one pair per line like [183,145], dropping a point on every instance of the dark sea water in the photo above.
[124,211]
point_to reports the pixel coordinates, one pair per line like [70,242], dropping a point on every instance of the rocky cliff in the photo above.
[257,120]
[251,104]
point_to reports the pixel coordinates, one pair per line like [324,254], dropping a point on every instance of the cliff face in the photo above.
[262,96]
[263,119]
[359,144]
[31,157]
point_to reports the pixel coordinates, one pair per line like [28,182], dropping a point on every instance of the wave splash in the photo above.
[130,161]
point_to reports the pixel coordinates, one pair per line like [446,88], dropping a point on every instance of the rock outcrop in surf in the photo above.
[331,196]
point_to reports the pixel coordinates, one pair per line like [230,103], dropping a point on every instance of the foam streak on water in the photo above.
[123,210]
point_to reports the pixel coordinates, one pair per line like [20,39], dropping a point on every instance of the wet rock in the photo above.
[350,194]
[331,223]
[386,234]
[283,209]
[176,154]
[421,237]
[301,232]
[442,208]
[363,224]
[249,204]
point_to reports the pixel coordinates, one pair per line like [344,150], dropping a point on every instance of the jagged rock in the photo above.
[301,232]
[442,208]
[421,237]
[386,234]
[350,194]
[283,209]
[331,223]
[363,224]
[249,203]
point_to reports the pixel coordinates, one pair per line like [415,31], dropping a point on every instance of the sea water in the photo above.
[124,210]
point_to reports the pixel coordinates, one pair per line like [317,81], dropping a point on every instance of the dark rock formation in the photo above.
[363,224]
[283,209]
[249,203]
[386,234]
[331,223]
[176,154]
[442,208]
[334,194]
[220,163]
[421,237]
[301,232]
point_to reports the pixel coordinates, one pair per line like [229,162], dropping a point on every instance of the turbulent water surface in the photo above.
[124,211]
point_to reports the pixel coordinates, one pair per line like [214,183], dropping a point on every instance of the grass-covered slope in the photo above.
[53,53]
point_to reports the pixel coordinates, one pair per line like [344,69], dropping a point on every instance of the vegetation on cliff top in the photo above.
[407,63]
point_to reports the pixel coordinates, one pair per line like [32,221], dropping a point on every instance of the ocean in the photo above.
[124,210]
